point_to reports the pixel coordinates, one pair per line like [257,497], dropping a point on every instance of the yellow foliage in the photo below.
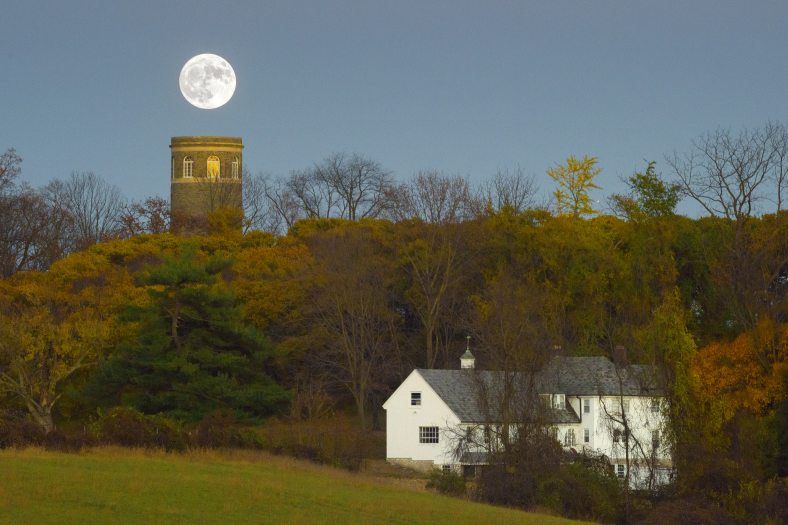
[48,331]
[575,180]
[271,282]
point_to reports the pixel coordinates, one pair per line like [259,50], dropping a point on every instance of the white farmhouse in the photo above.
[589,404]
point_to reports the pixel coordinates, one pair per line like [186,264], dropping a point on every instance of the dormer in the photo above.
[559,401]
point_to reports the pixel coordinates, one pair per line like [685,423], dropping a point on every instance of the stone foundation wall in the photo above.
[421,465]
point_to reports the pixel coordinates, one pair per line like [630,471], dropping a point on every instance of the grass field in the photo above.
[115,485]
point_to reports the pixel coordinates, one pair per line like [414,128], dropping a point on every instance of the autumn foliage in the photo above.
[156,333]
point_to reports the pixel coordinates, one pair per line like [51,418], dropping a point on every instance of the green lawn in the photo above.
[128,486]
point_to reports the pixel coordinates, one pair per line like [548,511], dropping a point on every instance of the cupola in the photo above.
[467,360]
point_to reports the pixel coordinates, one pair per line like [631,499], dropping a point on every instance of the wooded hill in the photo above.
[331,315]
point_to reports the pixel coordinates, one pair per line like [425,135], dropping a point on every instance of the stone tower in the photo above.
[206,175]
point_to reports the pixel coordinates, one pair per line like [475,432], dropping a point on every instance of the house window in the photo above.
[616,435]
[586,436]
[569,438]
[558,401]
[415,399]
[586,406]
[469,434]
[235,168]
[620,470]
[428,434]
[654,406]
[188,167]
[487,434]
[655,439]
[554,433]
[625,406]
[213,167]
[446,469]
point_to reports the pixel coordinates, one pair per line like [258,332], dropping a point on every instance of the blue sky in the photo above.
[464,87]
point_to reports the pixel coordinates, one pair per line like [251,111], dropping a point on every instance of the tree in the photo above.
[344,186]
[512,191]
[47,334]
[575,180]
[360,183]
[283,201]
[649,196]
[729,175]
[747,372]
[263,211]
[436,261]
[642,451]
[352,315]
[33,234]
[150,216]
[10,167]
[432,197]
[95,207]
[779,171]
[186,352]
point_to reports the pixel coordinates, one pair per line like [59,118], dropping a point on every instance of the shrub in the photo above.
[168,434]
[449,483]
[338,441]
[689,512]
[577,491]
[68,441]
[123,426]
[128,427]
[20,432]
[218,429]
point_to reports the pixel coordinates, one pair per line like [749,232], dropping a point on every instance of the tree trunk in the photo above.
[42,415]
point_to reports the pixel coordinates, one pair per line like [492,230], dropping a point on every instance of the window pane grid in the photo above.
[428,434]
[188,167]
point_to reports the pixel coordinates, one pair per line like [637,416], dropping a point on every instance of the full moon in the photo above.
[207,81]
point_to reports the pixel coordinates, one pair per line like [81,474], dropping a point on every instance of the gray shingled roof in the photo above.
[464,391]
[593,376]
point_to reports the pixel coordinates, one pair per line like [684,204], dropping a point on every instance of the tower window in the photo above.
[188,167]
[213,167]
[172,167]
[235,168]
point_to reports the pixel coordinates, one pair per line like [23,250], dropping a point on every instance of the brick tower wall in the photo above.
[193,198]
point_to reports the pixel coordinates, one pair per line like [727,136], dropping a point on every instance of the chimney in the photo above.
[620,355]
[467,360]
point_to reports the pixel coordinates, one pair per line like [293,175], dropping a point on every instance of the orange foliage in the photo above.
[745,373]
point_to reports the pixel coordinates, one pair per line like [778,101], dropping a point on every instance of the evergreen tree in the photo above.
[186,352]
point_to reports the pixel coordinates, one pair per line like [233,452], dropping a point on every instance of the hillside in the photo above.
[117,485]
